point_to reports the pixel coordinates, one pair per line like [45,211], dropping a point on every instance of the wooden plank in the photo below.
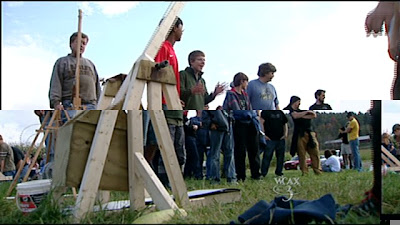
[171,97]
[149,53]
[221,198]
[46,133]
[147,71]
[95,163]
[163,30]
[61,156]
[134,96]
[77,146]
[387,160]
[105,100]
[391,156]
[154,100]
[135,144]
[159,194]
[169,157]
[5,178]
[395,169]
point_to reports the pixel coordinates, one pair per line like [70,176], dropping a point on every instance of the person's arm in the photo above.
[375,19]
[348,129]
[55,92]
[98,86]
[2,166]
[309,114]
[285,131]
[185,90]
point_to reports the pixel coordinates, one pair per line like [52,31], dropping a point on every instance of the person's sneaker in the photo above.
[279,175]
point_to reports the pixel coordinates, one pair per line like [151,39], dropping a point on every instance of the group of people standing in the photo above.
[250,119]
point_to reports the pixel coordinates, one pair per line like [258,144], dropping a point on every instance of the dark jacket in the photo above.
[221,118]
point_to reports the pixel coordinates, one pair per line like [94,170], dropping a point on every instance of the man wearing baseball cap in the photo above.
[353,133]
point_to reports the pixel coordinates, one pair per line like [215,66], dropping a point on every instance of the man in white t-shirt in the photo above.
[332,163]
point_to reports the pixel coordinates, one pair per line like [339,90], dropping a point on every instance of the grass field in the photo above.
[391,193]
[347,187]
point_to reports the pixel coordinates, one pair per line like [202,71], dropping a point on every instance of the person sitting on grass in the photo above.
[332,163]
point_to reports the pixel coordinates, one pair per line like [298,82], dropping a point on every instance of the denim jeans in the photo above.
[68,105]
[221,140]
[354,145]
[9,173]
[193,165]
[326,168]
[279,147]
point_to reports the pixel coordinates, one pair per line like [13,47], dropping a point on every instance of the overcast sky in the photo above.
[314,45]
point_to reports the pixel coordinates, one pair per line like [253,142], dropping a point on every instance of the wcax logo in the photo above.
[286,186]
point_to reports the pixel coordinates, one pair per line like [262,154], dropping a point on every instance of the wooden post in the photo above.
[135,144]
[77,100]
[33,161]
[95,163]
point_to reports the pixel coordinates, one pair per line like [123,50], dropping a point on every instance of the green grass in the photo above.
[346,187]
[391,193]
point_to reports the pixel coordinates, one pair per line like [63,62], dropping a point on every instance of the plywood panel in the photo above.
[72,149]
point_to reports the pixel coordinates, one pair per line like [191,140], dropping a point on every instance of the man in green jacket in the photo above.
[193,86]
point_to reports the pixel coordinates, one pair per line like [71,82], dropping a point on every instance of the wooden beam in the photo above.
[387,160]
[46,133]
[395,169]
[171,97]
[154,97]
[135,145]
[95,163]
[169,157]
[390,155]
[5,178]
[157,191]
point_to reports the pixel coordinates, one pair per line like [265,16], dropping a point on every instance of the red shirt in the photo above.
[167,52]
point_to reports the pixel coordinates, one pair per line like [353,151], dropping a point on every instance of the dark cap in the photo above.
[350,114]
[293,99]
[395,127]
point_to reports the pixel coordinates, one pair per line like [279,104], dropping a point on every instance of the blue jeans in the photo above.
[193,165]
[9,173]
[221,140]
[68,104]
[279,147]
[326,168]
[354,145]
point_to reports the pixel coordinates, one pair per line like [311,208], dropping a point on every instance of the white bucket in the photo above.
[31,193]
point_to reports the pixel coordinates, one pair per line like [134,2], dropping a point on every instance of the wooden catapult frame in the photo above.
[126,95]
[390,159]
[51,124]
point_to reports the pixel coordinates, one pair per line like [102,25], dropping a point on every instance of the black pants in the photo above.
[246,139]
